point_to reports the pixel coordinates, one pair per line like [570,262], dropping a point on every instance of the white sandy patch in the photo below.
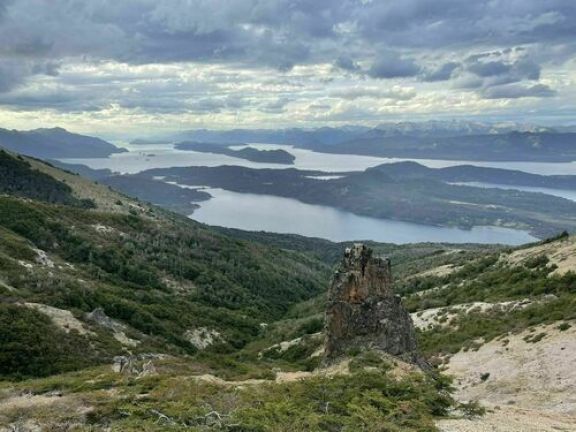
[510,419]
[62,318]
[439,271]
[286,345]
[561,253]
[118,329]
[103,228]
[534,376]
[443,315]
[202,337]
[531,387]
[43,259]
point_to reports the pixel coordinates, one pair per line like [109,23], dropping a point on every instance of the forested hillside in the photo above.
[158,273]
[55,143]
[19,178]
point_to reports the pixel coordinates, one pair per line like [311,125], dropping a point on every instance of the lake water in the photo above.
[141,158]
[284,215]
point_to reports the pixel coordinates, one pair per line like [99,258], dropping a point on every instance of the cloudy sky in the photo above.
[144,66]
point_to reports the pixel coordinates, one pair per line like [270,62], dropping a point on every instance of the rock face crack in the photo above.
[363,312]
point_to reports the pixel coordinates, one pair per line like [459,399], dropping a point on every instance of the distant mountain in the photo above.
[56,143]
[438,128]
[547,146]
[293,136]
[171,197]
[472,174]
[333,135]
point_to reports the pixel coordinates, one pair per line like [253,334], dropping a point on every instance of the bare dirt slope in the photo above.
[510,419]
[530,386]
[561,253]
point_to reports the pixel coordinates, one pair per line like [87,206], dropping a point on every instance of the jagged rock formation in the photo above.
[363,312]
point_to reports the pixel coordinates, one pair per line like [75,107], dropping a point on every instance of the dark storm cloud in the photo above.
[493,47]
[13,72]
[347,64]
[449,23]
[3,6]
[440,73]
[519,69]
[57,100]
[262,31]
[275,107]
[9,78]
[390,64]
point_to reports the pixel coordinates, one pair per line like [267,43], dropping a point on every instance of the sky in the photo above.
[138,67]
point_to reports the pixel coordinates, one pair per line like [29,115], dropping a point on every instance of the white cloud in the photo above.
[267,62]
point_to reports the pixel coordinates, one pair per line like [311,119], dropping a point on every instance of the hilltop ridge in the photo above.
[55,143]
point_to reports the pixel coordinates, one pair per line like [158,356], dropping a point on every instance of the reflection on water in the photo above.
[284,215]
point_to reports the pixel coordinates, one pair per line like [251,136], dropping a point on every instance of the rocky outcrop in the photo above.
[140,365]
[202,337]
[363,312]
[99,317]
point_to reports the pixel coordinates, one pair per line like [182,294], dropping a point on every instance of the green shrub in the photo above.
[31,345]
[471,409]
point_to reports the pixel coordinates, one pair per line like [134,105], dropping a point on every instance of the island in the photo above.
[248,153]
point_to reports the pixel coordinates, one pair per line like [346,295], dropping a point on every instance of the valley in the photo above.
[287,216]
[217,325]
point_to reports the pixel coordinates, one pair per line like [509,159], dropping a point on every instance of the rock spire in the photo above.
[363,312]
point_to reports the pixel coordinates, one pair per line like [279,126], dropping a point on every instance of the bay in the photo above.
[254,212]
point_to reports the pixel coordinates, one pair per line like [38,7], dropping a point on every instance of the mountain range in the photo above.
[55,143]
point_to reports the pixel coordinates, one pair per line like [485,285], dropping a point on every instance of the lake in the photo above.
[253,212]
[141,158]
[283,215]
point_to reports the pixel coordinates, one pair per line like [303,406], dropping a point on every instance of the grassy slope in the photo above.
[530,275]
